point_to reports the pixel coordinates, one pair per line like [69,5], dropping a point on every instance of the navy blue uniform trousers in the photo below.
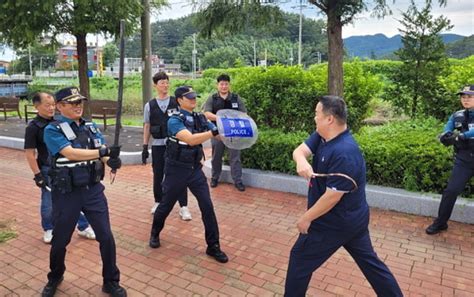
[313,249]
[66,209]
[179,178]
[462,172]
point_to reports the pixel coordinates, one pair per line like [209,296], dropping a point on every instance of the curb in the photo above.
[423,204]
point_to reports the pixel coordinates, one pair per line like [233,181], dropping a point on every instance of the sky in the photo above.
[460,12]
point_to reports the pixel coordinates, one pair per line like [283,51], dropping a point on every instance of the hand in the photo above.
[40,181]
[215,131]
[145,154]
[303,224]
[448,138]
[304,169]
[114,163]
[113,151]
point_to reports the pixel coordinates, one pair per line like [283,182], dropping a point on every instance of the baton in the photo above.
[118,116]
[338,174]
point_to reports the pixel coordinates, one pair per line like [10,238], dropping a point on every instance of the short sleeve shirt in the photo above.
[163,105]
[176,123]
[56,140]
[339,155]
[34,139]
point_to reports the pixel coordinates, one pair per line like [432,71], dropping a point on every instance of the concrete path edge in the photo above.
[425,204]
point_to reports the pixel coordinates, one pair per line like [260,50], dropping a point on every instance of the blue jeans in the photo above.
[46,208]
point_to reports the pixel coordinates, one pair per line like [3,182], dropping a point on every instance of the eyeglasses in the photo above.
[163,83]
[76,103]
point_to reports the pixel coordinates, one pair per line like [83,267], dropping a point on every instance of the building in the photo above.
[134,66]
[68,54]
[4,65]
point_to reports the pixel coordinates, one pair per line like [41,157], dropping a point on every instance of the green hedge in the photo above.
[404,155]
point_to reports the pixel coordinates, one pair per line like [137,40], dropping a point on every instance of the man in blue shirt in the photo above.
[458,132]
[338,214]
[78,153]
[187,131]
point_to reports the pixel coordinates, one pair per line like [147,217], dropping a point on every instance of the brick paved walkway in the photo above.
[257,231]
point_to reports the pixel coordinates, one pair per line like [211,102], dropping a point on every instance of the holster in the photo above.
[61,180]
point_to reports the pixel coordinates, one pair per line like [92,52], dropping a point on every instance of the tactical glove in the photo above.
[40,181]
[448,138]
[145,153]
[215,131]
[114,163]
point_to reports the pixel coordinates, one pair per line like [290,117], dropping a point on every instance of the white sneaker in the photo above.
[87,233]
[154,207]
[48,236]
[185,214]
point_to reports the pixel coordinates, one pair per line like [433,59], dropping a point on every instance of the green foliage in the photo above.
[222,57]
[407,155]
[42,58]
[111,53]
[462,48]
[416,88]
[273,151]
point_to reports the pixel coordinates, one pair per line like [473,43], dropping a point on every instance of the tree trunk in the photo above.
[335,54]
[83,69]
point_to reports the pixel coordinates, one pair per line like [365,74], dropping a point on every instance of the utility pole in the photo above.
[254,53]
[97,71]
[41,64]
[29,58]
[291,56]
[194,55]
[146,52]
[300,32]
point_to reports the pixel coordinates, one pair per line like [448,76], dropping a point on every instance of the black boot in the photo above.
[114,289]
[50,289]
[435,228]
[215,252]
[154,242]
[214,183]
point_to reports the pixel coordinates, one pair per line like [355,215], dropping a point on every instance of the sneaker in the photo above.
[240,186]
[87,233]
[154,207]
[215,252]
[185,214]
[435,228]
[214,183]
[50,289]
[114,289]
[47,236]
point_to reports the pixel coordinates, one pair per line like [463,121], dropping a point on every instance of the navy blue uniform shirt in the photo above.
[176,124]
[55,139]
[339,155]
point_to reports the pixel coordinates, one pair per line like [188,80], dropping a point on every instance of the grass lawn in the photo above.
[6,233]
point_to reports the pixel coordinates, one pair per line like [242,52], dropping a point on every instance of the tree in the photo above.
[35,19]
[111,53]
[222,14]
[424,61]
[222,57]
[42,57]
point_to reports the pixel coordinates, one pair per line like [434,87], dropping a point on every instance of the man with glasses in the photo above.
[78,153]
[156,113]
[183,169]
[458,132]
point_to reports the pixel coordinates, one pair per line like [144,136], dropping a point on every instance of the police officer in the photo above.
[459,132]
[78,152]
[36,155]
[224,99]
[338,214]
[187,131]
[155,118]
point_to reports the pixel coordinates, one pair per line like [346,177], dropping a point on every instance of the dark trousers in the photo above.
[313,249]
[66,210]
[218,149]
[176,180]
[462,172]
[158,164]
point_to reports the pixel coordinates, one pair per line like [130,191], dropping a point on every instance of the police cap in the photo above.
[69,95]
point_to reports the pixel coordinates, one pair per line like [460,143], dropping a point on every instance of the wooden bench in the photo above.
[8,104]
[30,109]
[103,109]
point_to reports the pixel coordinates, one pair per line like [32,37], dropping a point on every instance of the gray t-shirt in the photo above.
[163,105]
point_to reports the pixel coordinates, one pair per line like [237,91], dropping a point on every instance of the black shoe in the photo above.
[50,289]
[240,187]
[154,242]
[214,183]
[114,289]
[435,228]
[215,252]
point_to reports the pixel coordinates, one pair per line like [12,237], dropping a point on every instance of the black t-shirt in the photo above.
[34,138]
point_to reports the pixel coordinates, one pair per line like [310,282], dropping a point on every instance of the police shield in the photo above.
[237,130]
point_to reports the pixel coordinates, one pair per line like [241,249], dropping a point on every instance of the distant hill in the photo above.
[379,45]
[462,48]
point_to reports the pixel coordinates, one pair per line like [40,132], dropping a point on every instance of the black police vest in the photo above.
[218,103]
[42,157]
[462,120]
[182,154]
[66,174]
[159,119]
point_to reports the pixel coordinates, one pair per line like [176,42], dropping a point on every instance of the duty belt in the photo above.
[64,162]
